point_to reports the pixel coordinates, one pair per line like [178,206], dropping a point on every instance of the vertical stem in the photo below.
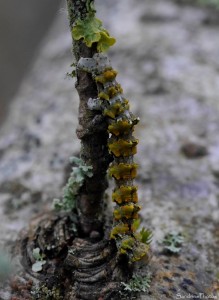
[92,131]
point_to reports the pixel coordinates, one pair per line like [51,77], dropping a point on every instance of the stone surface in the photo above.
[167,58]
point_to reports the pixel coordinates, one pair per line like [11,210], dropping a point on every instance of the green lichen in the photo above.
[75,182]
[91,31]
[39,260]
[137,284]
[44,293]
[173,242]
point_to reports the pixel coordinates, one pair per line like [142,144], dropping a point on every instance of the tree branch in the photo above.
[92,131]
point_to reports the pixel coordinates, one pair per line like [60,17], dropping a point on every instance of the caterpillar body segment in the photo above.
[122,145]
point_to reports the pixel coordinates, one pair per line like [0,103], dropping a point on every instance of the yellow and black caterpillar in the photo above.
[122,145]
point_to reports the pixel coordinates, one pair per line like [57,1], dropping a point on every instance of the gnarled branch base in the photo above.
[75,268]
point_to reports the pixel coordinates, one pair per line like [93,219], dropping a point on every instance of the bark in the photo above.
[92,131]
[87,267]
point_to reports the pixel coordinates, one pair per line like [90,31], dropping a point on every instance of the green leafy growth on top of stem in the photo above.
[75,182]
[173,242]
[91,31]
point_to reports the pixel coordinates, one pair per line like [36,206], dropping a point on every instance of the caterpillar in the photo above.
[122,145]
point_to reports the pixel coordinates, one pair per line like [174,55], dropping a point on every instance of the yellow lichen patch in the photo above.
[114,90]
[116,109]
[110,75]
[120,127]
[125,194]
[129,211]
[103,96]
[123,148]
[127,244]
[100,79]
[135,249]
[140,251]
[123,171]
[121,228]
[113,111]
[107,76]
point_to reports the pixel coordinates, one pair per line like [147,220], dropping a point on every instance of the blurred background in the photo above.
[23,24]
[167,56]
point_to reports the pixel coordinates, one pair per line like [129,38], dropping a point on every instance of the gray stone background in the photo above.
[23,24]
[167,56]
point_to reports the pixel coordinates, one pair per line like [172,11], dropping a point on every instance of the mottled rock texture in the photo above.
[167,58]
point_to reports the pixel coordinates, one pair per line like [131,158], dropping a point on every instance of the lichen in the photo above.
[39,260]
[128,211]
[90,31]
[115,108]
[42,292]
[173,242]
[75,181]
[125,194]
[122,145]
[120,127]
[108,75]
[137,284]
[123,171]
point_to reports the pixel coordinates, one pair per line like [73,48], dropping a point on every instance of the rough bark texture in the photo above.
[92,131]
